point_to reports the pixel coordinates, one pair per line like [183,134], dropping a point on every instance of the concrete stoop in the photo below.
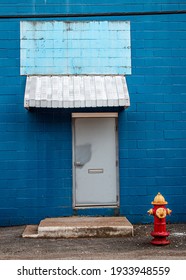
[74,227]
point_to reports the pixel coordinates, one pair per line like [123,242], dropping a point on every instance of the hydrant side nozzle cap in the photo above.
[159,200]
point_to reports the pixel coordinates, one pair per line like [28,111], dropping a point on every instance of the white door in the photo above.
[95,162]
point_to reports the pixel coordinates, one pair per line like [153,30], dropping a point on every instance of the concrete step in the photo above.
[74,227]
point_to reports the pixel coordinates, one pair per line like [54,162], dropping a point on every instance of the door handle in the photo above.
[78,163]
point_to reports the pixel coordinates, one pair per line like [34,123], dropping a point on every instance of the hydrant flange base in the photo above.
[160,241]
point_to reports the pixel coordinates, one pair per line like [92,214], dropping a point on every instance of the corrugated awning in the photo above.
[76,91]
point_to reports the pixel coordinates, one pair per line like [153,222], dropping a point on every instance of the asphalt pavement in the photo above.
[14,247]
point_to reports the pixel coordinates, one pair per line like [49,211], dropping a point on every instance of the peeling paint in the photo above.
[83,154]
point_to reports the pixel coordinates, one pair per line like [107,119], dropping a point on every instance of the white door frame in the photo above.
[94,115]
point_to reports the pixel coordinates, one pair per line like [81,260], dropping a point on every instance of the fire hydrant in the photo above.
[159,212]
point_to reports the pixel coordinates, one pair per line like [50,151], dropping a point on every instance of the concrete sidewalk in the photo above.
[13,246]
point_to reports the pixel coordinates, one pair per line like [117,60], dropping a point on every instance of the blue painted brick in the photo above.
[165,125]
[175,134]
[156,116]
[176,116]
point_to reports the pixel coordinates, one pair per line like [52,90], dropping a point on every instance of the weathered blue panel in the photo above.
[56,47]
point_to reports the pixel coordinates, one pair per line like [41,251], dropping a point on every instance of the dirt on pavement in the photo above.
[13,246]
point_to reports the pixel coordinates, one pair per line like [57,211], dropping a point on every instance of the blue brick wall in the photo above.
[35,147]
[153,129]
[86,6]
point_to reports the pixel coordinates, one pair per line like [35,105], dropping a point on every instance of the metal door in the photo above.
[95,162]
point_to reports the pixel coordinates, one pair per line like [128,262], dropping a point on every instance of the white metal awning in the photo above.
[76,91]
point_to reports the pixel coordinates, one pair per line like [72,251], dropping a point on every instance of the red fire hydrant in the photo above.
[159,212]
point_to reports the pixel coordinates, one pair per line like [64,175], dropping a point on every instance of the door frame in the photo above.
[94,115]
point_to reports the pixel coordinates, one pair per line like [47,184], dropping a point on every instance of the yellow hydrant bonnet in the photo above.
[159,200]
